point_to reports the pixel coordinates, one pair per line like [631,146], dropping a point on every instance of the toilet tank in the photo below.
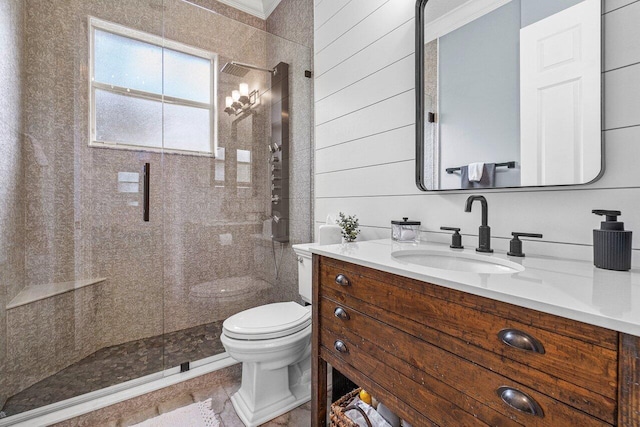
[305,270]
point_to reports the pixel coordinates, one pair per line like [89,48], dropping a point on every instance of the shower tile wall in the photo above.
[12,202]
[231,12]
[203,227]
[293,20]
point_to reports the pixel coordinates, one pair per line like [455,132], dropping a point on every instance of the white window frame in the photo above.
[95,23]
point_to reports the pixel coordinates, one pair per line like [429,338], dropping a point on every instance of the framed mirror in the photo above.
[508,93]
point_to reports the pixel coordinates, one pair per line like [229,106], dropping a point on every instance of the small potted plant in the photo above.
[349,226]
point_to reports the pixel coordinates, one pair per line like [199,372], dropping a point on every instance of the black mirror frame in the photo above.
[420,121]
[420,7]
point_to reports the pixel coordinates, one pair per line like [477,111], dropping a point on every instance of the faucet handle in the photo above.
[456,238]
[515,245]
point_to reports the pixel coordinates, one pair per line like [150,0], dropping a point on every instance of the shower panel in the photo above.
[279,149]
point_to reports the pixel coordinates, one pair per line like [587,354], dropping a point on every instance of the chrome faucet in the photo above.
[484,232]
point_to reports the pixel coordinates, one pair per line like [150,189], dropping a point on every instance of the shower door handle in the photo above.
[145,202]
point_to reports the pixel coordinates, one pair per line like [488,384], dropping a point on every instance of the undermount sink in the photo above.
[458,261]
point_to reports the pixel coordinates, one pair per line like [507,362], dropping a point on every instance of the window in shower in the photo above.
[150,93]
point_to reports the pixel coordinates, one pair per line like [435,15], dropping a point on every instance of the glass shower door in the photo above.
[219,254]
[81,295]
[215,203]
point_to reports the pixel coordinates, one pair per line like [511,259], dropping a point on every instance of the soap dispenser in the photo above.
[611,244]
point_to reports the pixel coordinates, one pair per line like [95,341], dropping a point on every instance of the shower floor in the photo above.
[120,363]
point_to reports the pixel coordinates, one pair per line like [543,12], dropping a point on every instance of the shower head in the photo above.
[240,70]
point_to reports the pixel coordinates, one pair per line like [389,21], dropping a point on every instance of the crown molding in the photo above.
[259,8]
[459,17]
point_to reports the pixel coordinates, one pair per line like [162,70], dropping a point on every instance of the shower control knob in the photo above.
[271,150]
[275,199]
[274,147]
[275,187]
[274,159]
[275,178]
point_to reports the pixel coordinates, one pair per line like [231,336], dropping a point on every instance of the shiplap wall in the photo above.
[364,150]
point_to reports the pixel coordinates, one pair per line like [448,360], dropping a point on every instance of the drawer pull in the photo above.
[341,347]
[340,313]
[520,340]
[520,401]
[342,280]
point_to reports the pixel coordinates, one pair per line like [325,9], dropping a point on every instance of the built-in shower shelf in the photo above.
[39,292]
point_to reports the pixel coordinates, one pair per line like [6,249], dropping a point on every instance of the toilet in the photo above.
[273,342]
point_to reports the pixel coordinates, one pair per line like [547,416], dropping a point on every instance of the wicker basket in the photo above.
[337,415]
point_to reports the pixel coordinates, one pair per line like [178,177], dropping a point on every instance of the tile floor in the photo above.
[120,363]
[221,404]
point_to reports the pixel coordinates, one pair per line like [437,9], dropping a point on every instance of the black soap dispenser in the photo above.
[611,244]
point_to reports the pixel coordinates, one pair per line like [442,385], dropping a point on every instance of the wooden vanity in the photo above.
[442,357]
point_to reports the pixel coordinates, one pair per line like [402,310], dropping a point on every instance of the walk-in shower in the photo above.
[135,215]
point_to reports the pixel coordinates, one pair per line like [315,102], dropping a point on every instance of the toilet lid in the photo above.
[268,321]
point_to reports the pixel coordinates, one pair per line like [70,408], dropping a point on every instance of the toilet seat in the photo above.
[267,321]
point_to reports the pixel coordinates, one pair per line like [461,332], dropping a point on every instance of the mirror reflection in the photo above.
[511,93]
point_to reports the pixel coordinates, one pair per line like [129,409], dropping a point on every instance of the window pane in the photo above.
[187,76]
[128,120]
[127,63]
[186,128]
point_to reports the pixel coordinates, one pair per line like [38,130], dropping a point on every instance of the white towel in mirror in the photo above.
[475,171]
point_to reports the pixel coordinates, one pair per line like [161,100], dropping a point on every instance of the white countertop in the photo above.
[569,288]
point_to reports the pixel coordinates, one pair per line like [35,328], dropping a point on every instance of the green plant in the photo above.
[349,226]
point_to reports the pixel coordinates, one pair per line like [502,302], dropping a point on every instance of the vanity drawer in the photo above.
[415,369]
[431,408]
[413,342]
[569,354]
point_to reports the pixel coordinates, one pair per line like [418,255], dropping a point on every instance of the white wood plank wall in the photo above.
[364,124]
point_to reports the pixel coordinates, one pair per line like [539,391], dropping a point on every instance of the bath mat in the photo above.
[196,415]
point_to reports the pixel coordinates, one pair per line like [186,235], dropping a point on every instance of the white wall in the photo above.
[364,106]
